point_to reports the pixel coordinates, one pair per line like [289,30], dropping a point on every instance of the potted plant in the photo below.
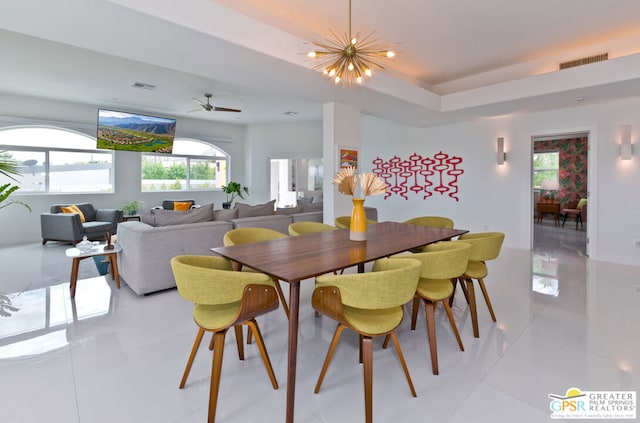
[9,168]
[132,207]
[233,190]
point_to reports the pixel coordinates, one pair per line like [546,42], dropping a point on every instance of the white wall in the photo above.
[267,141]
[17,225]
[498,198]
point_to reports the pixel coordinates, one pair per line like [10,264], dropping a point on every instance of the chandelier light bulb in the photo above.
[391,54]
[354,40]
[312,54]
[359,80]
[337,80]
[350,66]
[332,72]
[368,72]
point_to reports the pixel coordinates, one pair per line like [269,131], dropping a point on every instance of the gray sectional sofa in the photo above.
[149,245]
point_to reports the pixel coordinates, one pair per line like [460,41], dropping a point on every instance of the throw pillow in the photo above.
[181,205]
[225,214]
[581,203]
[288,210]
[245,210]
[74,209]
[304,200]
[173,217]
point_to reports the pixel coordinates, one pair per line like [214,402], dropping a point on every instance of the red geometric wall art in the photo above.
[420,175]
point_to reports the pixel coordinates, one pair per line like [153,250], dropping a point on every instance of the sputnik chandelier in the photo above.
[347,59]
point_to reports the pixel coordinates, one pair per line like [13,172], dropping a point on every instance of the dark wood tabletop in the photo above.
[301,257]
[296,258]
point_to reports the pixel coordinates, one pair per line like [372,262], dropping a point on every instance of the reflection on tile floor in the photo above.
[112,356]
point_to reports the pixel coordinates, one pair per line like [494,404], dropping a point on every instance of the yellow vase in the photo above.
[358,226]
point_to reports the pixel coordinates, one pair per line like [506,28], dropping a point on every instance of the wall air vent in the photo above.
[144,86]
[584,61]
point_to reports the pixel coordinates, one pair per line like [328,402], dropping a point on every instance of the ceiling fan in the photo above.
[208,107]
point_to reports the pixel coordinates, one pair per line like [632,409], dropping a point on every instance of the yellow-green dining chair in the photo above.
[343,222]
[302,228]
[242,236]
[441,263]
[371,304]
[434,221]
[223,298]
[485,246]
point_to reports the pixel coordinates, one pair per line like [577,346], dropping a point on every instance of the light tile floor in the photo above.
[112,356]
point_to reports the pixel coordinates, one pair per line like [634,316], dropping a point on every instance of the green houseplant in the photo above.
[9,168]
[132,207]
[233,190]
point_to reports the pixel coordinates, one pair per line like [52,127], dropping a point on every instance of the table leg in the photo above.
[113,259]
[75,264]
[294,309]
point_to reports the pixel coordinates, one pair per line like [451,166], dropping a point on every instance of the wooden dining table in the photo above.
[294,259]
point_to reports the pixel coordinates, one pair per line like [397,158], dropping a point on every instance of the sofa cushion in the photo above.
[311,207]
[225,214]
[245,210]
[174,217]
[288,210]
[74,209]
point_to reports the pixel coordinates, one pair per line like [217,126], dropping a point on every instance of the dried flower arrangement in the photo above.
[370,183]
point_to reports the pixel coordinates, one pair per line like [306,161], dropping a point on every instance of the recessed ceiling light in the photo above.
[144,86]
[290,113]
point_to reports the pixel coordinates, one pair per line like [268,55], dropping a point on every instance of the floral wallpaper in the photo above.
[573,166]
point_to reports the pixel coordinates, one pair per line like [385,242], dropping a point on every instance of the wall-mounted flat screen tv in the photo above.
[135,132]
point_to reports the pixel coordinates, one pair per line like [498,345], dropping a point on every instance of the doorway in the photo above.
[294,178]
[560,181]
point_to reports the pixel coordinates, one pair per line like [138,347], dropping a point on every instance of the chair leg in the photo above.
[472,308]
[579,219]
[238,331]
[283,301]
[429,311]
[486,298]
[414,311]
[360,349]
[327,360]
[263,351]
[367,353]
[216,369]
[454,282]
[211,343]
[565,219]
[403,362]
[249,336]
[385,344]
[453,325]
[194,350]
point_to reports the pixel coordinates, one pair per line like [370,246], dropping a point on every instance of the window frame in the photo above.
[47,162]
[545,169]
[189,157]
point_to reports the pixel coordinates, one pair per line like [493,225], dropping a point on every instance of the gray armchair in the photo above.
[68,227]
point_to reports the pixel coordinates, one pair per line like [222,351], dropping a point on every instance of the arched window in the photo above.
[56,160]
[193,165]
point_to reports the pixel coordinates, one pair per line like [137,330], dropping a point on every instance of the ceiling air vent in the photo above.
[143,85]
[584,61]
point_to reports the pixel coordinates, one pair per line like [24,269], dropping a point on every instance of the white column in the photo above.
[341,128]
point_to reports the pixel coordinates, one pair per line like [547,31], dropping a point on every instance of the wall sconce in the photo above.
[625,142]
[502,156]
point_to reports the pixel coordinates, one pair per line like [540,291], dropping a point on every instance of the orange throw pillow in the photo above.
[74,209]
[181,205]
